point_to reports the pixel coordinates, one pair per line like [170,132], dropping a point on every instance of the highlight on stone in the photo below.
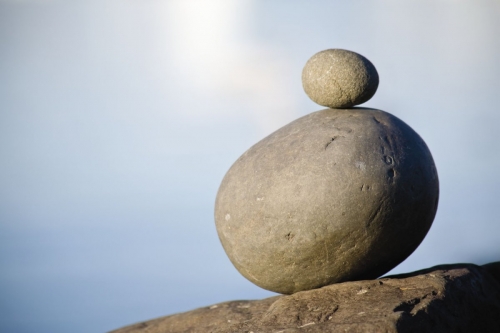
[337,195]
[338,78]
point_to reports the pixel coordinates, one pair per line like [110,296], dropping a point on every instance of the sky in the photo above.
[119,119]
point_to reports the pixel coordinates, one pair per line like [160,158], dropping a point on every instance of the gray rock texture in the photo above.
[337,195]
[339,78]
[449,298]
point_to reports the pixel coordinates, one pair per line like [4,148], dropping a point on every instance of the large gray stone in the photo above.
[334,196]
[448,298]
[339,78]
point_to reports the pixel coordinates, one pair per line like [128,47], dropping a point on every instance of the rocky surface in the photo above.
[337,195]
[338,78]
[448,298]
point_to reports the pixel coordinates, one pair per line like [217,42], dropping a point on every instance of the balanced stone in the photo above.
[337,195]
[338,78]
[334,196]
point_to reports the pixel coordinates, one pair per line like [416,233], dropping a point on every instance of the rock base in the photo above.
[447,298]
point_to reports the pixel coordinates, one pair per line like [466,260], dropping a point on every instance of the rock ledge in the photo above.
[447,298]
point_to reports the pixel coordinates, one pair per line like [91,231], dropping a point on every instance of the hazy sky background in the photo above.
[118,120]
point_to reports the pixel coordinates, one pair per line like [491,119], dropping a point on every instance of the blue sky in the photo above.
[118,120]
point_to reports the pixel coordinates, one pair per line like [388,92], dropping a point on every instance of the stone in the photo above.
[448,298]
[337,195]
[338,78]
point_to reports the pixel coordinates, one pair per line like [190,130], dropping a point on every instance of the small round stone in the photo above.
[339,79]
[337,195]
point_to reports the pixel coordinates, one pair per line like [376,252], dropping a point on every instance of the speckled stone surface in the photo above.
[334,196]
[338,78]
[447,298]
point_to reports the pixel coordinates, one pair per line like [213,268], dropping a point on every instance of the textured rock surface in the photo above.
[337,195]
[449,298]
[339,78]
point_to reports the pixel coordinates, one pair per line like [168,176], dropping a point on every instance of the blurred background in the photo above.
[119,118]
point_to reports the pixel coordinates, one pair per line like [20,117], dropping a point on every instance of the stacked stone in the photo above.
[338,195]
